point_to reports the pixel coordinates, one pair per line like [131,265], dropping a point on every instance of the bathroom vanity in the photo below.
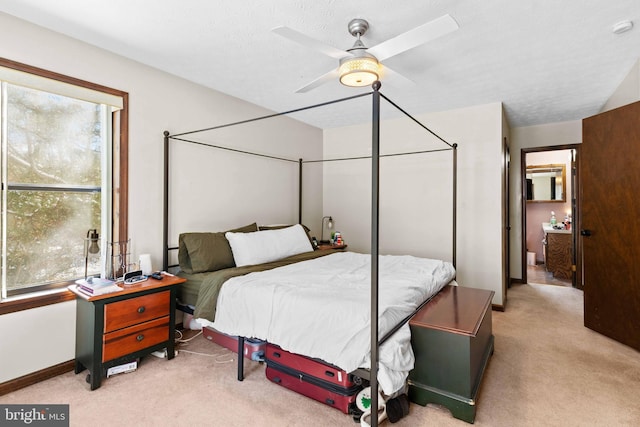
[558,251]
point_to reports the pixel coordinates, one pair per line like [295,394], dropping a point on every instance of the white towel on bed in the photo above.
[321,308]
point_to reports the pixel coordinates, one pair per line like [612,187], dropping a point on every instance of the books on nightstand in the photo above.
[96,286]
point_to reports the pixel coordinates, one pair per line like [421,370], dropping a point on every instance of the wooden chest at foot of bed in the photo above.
[452,340]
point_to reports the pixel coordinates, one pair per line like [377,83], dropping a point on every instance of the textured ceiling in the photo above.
[546,60]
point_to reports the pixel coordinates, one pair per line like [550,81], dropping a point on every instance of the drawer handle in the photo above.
[141,309]
[140,337]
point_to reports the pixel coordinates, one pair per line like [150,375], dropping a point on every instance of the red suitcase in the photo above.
[313,367]
[313,378]
[254,349]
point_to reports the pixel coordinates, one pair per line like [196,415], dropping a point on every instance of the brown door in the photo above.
[610,226]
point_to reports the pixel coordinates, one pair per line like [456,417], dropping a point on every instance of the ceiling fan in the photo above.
[359,65]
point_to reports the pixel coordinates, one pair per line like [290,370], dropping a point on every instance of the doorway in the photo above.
[550,187]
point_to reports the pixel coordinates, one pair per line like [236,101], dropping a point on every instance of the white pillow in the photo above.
[259,247]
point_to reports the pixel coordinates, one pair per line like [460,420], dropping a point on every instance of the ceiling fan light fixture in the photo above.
[357,71]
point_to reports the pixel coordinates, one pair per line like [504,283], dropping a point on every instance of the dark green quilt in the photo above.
[207,285]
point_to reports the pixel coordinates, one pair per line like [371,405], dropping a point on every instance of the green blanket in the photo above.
[211,282]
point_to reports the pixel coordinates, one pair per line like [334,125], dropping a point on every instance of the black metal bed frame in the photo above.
[375,196]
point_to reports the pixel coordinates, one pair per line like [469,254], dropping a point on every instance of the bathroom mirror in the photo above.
[546,183]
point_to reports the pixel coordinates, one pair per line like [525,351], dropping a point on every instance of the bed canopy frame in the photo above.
[375,196]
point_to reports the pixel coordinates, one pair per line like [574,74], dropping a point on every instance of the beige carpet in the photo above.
[547,370]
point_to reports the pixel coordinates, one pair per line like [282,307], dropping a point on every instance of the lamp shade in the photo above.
[91,251]
[93,236]
[358,70]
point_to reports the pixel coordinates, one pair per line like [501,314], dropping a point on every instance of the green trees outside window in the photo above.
[53,176]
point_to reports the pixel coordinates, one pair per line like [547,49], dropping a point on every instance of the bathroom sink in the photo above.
[548,228]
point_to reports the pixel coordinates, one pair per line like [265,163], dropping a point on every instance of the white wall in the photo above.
[159,102]
[627,92]
[415,191]
[36,339]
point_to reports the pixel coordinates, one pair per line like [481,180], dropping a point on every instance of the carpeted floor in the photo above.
[547,370]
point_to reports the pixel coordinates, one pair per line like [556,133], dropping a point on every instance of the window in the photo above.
[63,173]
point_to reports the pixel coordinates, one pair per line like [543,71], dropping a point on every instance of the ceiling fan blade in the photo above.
[395,79]
[307,41]
[412,38]
[325,78]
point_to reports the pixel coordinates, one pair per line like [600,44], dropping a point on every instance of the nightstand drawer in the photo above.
[134,338]
[129,312]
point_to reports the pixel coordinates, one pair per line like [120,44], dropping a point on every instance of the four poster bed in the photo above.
[311,302]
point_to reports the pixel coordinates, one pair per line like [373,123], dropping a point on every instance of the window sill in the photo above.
[14,304]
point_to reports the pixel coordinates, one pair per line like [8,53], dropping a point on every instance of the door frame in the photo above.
[575,208]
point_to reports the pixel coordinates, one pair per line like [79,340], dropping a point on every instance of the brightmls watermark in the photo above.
[34,415]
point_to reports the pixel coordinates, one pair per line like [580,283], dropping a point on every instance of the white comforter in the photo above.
[321,308]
